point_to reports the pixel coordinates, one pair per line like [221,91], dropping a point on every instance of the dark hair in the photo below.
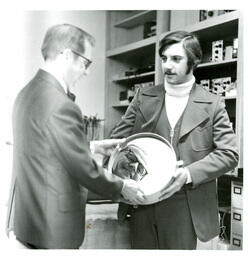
[191,46]
[63,36]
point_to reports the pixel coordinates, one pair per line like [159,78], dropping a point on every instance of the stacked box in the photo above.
[217,50]
[205,83]
[149,29]
[126,96]
[208,14]
[220,85]
[231,89]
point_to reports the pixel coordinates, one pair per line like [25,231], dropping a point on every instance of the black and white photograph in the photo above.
[123,131]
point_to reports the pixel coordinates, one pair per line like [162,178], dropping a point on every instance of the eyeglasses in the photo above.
[88,61]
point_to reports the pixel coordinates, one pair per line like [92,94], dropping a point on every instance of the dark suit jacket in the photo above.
[206,144]
[53,166]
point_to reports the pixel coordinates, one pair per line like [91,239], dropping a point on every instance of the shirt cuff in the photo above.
[123,186]
[189,178]
[92,146]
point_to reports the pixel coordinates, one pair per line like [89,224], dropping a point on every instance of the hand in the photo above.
[132,193]
[105,147]
[176,183]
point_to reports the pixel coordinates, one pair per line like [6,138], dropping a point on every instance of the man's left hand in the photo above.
[105,147]
[176,183]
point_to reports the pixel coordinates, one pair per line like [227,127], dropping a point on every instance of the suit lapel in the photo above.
[151,105]
[194,113]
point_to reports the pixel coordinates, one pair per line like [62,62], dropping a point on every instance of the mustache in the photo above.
[169,73]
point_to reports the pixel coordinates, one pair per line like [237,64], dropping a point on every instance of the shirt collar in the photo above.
[58,78]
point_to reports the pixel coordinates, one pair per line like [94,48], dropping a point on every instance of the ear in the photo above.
[67,54]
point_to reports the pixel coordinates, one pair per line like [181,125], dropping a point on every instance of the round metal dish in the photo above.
[157,161]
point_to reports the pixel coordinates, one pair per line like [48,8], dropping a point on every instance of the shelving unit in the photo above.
[135,78]
[216,64]
[120,105]
[127,49]
[139,47]
[236,215]
[137,19]
[230,97]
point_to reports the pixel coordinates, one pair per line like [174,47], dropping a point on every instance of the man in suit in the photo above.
[52,160]
[197,125]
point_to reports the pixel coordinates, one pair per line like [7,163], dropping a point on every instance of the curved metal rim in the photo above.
[136,136]
[142,135]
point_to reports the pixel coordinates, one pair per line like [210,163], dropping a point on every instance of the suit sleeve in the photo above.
[65,131]
[224,157]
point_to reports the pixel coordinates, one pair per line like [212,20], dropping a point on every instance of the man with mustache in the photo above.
[197,125]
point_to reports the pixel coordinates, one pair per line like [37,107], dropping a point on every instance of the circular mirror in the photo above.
[147,158]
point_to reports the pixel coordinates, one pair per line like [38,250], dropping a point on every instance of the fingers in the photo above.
[165,191]
[135,197]
[167,194]
[132,192]
[139,199]
[175,184]
[105,147]
[109,145]
[117,141]
[112,142]
[141,192]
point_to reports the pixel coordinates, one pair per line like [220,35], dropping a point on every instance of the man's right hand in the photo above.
[132,193]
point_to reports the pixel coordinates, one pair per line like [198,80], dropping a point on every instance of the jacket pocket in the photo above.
[71,202]
[202,138]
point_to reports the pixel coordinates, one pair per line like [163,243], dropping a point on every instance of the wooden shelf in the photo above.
[214,28]
[218,27]
[218,63]
[137,19]
[139,45]
[145,77]
[230,97]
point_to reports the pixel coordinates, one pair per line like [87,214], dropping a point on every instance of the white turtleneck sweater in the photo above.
[176,98]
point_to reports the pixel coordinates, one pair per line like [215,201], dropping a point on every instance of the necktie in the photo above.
[71,95]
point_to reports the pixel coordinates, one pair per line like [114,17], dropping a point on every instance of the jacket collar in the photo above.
[151,108]
[197,93]
[46,76]
[156,91]
[195,113]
